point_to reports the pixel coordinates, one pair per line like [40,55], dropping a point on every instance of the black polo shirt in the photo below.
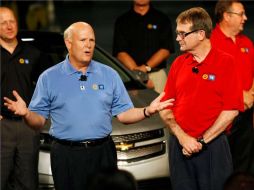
[141,36]
[19,71]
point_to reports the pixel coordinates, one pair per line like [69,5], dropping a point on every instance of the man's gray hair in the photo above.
[68,33]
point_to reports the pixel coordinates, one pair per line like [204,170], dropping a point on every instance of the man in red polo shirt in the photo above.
[203,83]
[227,36]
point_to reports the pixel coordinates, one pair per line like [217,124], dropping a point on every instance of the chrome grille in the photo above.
[137,137]
[128,150]
[141,153]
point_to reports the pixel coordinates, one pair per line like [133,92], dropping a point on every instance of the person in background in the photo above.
[80,96]
[21,65]
[143,41]
[227,36]
[206,102]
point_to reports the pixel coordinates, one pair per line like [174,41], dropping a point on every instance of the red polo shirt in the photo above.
[242,50]
[201,96]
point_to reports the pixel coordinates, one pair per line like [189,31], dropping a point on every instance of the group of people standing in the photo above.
[206,100]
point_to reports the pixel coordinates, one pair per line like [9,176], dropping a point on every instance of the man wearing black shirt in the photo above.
[143,41]
[20,67]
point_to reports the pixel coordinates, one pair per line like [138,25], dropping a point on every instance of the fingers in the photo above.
[192,148]
[16,95]
[185,153]
[170,101]
[9,106]
[161,95]
[166,104]
[7,101]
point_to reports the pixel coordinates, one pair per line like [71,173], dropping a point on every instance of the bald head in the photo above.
[80,41]
[5,9]
[77,26]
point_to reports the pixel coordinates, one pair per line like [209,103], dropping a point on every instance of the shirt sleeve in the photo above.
[121,100]
[40,101]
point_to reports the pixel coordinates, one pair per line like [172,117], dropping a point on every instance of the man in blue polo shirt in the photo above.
[80,96]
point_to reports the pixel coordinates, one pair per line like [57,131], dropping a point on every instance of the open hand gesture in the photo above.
[156,105]
[18,106]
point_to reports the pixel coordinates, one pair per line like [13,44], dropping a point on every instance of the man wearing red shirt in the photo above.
[202,81]
[227,36]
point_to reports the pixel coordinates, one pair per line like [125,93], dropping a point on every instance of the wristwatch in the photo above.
[148,68]
[201,140]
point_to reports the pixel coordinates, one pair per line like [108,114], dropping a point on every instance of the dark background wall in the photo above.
[102,14]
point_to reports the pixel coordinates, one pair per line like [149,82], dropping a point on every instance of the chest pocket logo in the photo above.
[210,77]
[98,87]
[22,61]
[151,26]
[244,50]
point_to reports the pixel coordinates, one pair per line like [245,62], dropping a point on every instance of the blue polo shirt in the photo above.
[80,109]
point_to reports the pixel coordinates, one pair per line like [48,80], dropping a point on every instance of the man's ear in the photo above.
[226,16]
[67,43]
[202,34]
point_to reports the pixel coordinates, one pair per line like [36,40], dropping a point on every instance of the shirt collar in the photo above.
[205,61]
[219,31]
[222,35]
[69,69]
[17,49]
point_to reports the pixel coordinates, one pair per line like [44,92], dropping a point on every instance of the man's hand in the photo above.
[248,98]
[141,68]
[156,105]
[190,145]
[18,106]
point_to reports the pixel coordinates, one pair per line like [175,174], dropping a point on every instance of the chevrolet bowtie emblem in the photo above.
[124,146]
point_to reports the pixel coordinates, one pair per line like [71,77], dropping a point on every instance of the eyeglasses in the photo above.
[241,14]
[183,35]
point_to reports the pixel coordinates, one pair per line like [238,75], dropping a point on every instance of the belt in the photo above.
[83,143]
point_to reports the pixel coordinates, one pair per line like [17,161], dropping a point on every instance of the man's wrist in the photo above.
[202,141]
[148,68]
[145,114]
[26,115]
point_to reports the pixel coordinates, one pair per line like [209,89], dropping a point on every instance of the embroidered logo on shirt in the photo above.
[205,76]
[210,77]
[95,86]
[22,61]
[152,26]
[101,86]
[98,87]
[244,50]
